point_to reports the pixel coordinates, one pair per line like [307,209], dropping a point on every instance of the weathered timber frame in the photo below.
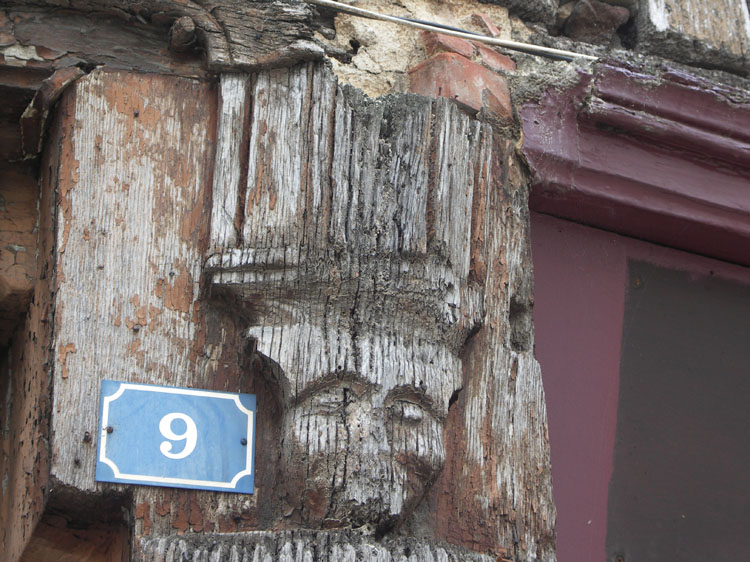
[484,489]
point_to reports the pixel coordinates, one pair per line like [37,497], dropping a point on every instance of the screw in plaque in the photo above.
[243,441]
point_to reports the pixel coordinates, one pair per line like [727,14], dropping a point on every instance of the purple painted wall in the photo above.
[580,281]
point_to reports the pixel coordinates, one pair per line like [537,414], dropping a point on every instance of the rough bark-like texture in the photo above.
[496,488]
[368,233]
[230,34]
[263,33]
[354,259]
[310,546]
[25,409]
[707,33]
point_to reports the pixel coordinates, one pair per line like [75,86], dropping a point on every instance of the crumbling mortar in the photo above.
[684,56]
[534,76]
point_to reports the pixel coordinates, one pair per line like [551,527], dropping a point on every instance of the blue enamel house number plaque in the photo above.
[176,437]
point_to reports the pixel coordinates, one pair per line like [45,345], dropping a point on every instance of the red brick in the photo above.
[485,24]
[439,43]
[494,60]
[452,76]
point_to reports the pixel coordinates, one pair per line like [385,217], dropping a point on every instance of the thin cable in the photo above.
[557,54]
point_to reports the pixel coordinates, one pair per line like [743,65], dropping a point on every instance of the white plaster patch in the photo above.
[745,20]
[387,51]
[657,11]
[19,55]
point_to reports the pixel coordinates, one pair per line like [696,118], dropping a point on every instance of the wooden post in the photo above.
[360,265]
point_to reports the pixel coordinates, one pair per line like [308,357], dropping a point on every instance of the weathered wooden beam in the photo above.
[131,206]
[35,115]
[353,253]
[343,277]
[311,546]
[368,227]
[163,35]
[52,38]
[714,34]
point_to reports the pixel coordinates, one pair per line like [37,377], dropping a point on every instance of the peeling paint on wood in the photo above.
[25,381]
[132,169]
[352,243]
[134,187]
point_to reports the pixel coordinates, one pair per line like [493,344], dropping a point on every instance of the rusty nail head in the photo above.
[110,429]
[243,441]
[87,437]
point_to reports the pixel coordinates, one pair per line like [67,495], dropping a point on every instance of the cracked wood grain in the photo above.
[229,35]
[369,226]
[369,279]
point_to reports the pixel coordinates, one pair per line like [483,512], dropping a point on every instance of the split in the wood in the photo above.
[353,262]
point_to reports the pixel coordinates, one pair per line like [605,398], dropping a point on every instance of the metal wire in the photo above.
[547,52]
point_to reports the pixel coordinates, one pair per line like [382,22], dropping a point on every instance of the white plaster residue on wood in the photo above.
[128,272]
[226,187]
[274,176]
[657,10]
[20,55]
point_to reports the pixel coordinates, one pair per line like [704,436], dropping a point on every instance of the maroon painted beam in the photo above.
[663,158]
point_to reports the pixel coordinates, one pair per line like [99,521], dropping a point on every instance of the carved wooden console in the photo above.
[353,239]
